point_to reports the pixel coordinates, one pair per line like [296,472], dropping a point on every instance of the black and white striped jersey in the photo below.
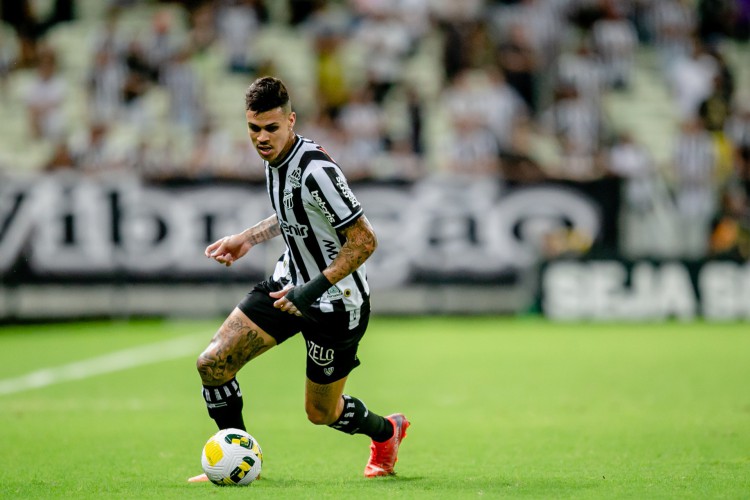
[312,201]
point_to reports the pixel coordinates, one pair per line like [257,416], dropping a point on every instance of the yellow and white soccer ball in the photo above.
[232,457]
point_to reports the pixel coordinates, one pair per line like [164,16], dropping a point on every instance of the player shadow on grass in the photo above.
[291,483]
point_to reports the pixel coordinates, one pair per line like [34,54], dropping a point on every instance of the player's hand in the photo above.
[283,303]
[227,249]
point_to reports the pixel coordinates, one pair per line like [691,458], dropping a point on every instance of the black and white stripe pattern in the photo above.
[313,201]
[220,396]
[694,162]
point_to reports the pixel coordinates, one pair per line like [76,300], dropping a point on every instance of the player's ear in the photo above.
[292,119]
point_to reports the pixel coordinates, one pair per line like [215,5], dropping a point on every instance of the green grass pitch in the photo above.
[500,407]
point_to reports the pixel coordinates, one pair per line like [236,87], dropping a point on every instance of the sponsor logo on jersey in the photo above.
[328,371]
[333,293]
[323,206]
[293,229]
[295,177]
[346,192]
[321,356]
[330,248]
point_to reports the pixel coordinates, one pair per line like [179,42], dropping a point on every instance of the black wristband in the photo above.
[304,296]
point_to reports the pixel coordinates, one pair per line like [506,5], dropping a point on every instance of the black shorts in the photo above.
[331,338]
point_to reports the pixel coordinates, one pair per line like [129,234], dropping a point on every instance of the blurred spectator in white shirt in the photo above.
[575,122]
[8,56]
[615,40]
[696,193]
[671,25]
[45,98]
[581,69]
[691,81]
[162,42]
[504,112]
[639,226]
[186,93]
[106,83]
[387,43]
[238,30]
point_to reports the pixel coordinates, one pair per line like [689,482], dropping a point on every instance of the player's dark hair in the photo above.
[266,93]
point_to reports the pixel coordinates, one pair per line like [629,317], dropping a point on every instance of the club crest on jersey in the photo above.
[288,199]
[295,177]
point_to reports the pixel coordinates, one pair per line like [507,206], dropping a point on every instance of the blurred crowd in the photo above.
[515,93]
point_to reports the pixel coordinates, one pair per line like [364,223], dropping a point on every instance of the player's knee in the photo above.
[201,364]
[319,415]
[207,370]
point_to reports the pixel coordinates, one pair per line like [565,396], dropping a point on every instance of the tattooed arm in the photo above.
[230,248]
[360,243]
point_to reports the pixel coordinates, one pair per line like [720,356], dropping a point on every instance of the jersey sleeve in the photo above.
[330,192]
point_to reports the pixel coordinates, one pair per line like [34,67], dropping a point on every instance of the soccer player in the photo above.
[319,286]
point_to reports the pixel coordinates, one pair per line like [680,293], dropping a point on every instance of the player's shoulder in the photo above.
[314,155]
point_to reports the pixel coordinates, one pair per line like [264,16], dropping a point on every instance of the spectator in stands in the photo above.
[107,36]
[106,82]
[639,227]
[671,25]
[575,121]
[138,80]
[31,28]
[363,123]
[8,57]
[202,32]
[162,44]
[519,63]
[691,81]
[581,69]
[45,97]
[61,158]
[211,152]
[614,38]
[239,24]
[738,130]
[503,112]
[387,44]
[93,150]
[332,85]
[714,113]
[544,25]
[186,92]
[694,170]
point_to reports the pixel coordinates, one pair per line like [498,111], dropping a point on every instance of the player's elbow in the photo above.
[371,244]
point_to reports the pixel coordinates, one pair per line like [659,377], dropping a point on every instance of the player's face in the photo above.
[272,132]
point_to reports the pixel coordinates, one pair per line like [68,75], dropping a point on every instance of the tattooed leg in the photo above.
[238,341]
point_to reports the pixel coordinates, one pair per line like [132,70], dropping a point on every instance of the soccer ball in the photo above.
[232,457]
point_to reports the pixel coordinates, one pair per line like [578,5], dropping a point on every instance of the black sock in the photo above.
[357,419]
[224,403]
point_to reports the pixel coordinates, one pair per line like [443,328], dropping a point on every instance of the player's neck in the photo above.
[285,152]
